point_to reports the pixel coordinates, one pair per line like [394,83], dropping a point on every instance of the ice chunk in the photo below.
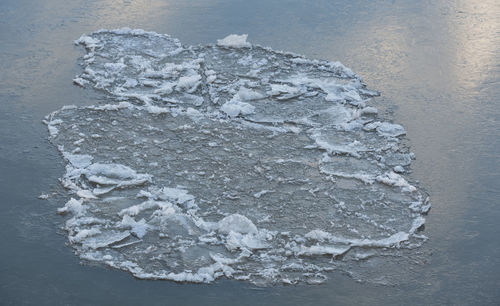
[394,179]
[234,108]
[390,129]
[323,250]
[236,240]
[89,42]
[237,223]
[245,94]
[72,206]
[234,41]
[43,196]
[78,160]
[112,171]
[115,174]
[189,83]
[138,228]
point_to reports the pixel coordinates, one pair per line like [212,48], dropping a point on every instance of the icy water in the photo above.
[436,65]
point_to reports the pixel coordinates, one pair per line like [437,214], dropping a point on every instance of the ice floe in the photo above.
[230,160]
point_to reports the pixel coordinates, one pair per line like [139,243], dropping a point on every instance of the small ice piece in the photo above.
[138,228]
[153,109]
[223,260]
[189,83]
[103,239]
[352,148]
[371,126]
[52,125]
[107,257]
[86,194]
[81,235]
[80,82]
[335,92]
[136,209]
[417,224]
[236,223]
[176,195]
[234,41]
[277,89]
[369,111]
[129,83]
[390,129]
[194,114]
[125,244]
[236,240]
[43,196]
[89,42]
[72,206]
[318,235]
[426,206]
[78,160]
[103,190]
[394,179]
[115,174]
[109,174]
[323,250]
[234,108]
[78,142]
[391,241]
[246,94]
[261,193]
[399,169]
[114,67]
[166,88]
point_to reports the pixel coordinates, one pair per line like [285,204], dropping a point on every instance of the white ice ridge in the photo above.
[230,160]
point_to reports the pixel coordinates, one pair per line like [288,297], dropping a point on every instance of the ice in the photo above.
[322,250]
[78,160]
[245,94]
[394,179]
[399,169]
[236,223]
[43,196]
[230,160]
[139,228]
[234,108]
[387,129]
[188,82]
[113,174]
[116,171]
[89,42]
[237,241]
[235,41]
[82,235]
[74,206]
[95,239]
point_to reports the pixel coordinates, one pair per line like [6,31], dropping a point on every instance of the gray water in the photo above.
[436,64]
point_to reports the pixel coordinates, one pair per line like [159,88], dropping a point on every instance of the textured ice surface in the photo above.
[230,160]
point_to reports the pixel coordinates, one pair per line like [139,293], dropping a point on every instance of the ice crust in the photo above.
[229,160]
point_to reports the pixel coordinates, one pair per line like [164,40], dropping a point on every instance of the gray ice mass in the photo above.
[229,160]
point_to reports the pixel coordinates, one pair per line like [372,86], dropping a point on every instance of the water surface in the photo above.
[436,64]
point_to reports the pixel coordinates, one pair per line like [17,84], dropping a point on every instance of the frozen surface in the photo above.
[230,160]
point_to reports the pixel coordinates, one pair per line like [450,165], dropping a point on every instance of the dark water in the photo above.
[437,64]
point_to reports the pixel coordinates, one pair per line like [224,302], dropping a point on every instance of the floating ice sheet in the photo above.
[229,160]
